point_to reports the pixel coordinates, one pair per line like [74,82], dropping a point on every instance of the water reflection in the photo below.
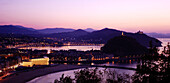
[81,48]
[164,43]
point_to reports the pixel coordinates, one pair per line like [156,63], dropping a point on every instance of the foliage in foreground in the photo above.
[154,67]
[90,75]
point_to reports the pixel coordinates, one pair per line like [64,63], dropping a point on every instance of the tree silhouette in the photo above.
[94,75]
[63,79]
[154,67]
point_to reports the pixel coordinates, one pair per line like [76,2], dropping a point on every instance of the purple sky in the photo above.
[127,15]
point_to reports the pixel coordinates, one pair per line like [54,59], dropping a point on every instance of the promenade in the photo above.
[25,76]
[22,77]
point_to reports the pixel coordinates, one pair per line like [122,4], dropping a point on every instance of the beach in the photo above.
[25,76]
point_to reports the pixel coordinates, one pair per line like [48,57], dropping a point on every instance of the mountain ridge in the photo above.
[79,35]
[16,29]
[159,35]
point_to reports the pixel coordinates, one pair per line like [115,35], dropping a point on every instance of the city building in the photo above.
[36,61]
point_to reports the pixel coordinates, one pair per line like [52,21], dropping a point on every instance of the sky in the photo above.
[127,15]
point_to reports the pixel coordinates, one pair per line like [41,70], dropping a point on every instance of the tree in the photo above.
[114,77]
[63,79]
[154,67]
[91,75]
[88,76]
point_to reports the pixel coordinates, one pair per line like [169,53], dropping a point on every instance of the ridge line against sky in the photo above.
[126,15]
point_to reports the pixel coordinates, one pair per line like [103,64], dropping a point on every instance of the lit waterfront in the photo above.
[85,48]
[81,48]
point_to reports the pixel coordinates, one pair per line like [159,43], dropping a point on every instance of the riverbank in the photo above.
[23,77]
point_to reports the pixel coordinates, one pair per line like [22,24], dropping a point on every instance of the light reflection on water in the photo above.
[133,65]
[164,43]
[85,48]
[81,48]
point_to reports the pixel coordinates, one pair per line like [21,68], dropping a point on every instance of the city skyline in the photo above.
[129,15]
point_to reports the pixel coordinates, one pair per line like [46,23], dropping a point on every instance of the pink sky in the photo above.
[127,15]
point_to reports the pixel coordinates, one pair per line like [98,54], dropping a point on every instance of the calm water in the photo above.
[81,48]
[51,77]
[164,43]
[85,48]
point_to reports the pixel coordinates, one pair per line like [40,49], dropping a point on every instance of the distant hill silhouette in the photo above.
[15,29]
[102,36]
[60,30]
[159,35]
[105,34]
[124,46]
[55,30]
[89,30]
[98,36]
[73,34]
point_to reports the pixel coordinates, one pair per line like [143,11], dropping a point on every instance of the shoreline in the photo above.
[50,46]
[23,77]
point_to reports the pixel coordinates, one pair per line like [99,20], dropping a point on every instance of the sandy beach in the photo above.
[23,77]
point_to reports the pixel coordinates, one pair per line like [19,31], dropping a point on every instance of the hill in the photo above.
[102,36]
[54,30]
[159,35]
[89,30]
[123,46]
[60,30]
[105,34]
[97,37]
[15,29]
[70,35]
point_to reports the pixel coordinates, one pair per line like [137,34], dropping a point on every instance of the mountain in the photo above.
[124,46]
[89,30]
[72,34]
[159,35]
[99,36]
[105,34]
[16,29]
[60,30]
[54,30]
[102,36]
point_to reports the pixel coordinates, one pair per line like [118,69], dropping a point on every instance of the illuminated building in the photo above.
[36,61]
[123,34]
[140,32]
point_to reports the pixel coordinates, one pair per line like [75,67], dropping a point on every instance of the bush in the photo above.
[90,75]
[63,79]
